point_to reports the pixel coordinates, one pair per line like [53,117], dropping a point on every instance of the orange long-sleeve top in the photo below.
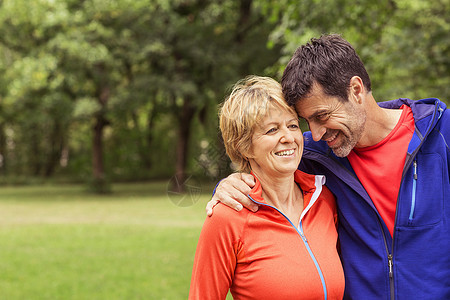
[263,255]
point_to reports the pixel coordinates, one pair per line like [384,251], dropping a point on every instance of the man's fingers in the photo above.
[249,204]
[235,184]
[248,179]
[237,189]
[225,200]
[228,201]
[209,207]
[233,191]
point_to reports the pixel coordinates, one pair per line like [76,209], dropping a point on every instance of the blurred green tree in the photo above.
[403,43]
[207,46]
[128,89]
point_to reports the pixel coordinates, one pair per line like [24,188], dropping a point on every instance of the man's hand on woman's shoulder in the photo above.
[232,191]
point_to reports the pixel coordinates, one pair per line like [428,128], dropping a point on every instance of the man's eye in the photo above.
[322,117]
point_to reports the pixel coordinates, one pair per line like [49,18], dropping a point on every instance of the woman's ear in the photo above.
[248,153]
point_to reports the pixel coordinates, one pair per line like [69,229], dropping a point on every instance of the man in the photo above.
[386,163]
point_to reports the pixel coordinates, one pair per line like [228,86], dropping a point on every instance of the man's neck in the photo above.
[379,123]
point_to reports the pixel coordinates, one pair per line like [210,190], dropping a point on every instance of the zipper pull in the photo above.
[413,199]
[300,230]
[415,169]
[391,265]
[304,238]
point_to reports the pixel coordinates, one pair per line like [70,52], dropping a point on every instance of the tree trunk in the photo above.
[149,138]
[55,148]
[245,7]
[97,149]
[98,169]
[144,141]
[243,26]
[3,151]
[186,116]
[35,153]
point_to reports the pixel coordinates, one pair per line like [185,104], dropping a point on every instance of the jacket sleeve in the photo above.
[215,257]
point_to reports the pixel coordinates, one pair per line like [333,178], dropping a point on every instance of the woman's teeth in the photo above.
[285,153]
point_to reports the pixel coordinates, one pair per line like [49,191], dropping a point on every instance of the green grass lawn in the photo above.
[59,242]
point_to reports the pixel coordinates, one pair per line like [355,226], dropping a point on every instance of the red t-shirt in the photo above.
[379,167]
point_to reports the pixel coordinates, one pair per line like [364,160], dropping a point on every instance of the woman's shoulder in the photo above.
[225,223]
[225,214]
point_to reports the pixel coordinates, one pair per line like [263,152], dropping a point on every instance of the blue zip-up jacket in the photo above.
[415,262]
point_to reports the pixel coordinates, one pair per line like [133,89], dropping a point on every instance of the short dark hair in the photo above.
[330,61]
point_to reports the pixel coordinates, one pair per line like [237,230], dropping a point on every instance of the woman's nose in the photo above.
[287,136]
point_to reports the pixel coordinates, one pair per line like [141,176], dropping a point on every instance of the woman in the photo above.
[287,249]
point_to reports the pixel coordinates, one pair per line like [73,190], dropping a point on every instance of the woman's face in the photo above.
[277,143]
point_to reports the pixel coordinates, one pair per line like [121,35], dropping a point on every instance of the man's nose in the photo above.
[317,131]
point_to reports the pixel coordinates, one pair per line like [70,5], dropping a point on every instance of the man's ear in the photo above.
[356,89]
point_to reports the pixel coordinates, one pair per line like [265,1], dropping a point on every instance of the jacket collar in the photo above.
[426,113]
[307,183]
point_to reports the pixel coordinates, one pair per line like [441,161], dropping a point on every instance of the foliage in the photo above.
[404,44]
[128,89]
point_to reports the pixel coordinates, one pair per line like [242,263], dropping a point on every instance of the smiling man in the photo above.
[387,164]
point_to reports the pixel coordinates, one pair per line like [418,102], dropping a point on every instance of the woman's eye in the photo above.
[271,130]
[293,126]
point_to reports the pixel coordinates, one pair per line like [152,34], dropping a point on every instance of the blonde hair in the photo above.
[247,104]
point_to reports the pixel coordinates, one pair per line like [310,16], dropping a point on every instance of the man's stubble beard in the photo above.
[356,129]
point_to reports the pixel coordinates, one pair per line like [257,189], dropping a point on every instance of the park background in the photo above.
[109,142]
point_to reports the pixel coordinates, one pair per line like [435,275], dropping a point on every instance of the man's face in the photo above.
[340,124]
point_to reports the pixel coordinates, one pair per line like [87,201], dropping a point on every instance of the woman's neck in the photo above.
[283,193]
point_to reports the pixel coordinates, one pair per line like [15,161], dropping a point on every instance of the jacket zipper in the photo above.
[391,275]
[390,258]
[391,266]
[299,230]
[411,215]
[305,241]
[413,196]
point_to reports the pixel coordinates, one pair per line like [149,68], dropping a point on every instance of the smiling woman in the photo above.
[265,255]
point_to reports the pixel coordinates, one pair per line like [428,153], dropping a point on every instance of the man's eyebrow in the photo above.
[316,113]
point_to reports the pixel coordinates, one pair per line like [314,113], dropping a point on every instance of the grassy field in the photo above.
[59,242]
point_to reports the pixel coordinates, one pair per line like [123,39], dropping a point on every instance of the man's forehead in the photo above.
[308,103]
